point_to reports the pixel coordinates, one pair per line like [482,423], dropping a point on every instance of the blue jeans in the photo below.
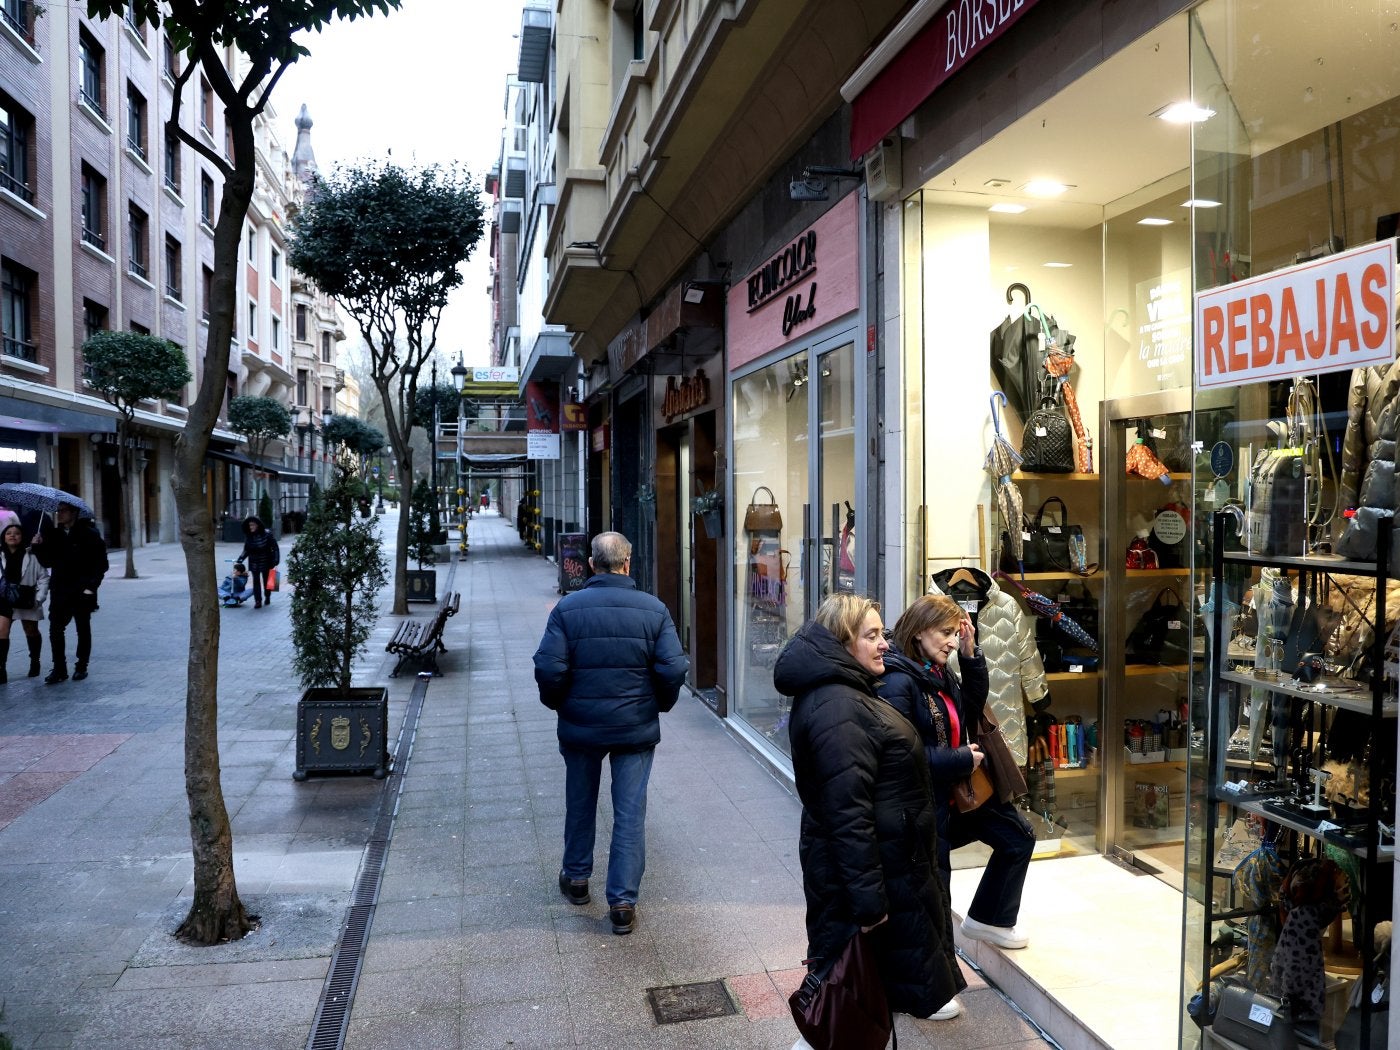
[627,857]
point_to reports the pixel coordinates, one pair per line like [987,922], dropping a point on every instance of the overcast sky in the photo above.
[426,82]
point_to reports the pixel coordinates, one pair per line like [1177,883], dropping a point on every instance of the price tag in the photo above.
[1041,432]
[1076,668]
[969,605]
[1261,1014]
[1173,625]
[1159,433]
[1026,536]
[1053,529]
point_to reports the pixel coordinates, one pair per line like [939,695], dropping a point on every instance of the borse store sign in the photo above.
[1322,316]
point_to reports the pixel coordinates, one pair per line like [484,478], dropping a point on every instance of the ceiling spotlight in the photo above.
[1008,208]
[1150,221]
[1045,188]
[1199,202]
[1184,113]
[997,184]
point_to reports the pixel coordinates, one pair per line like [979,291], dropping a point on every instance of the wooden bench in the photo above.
[422,639]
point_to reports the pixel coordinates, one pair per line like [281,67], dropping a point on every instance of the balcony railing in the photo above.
[94,238]
[135,146]
[90,100]
[136,268]
[172,184]
[16,187]
[21,350]
[15,14]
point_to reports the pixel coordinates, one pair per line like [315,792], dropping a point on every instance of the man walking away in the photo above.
[609,663]
[76,557]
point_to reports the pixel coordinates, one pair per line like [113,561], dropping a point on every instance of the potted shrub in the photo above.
[709,505]
[422,582]
[337,570]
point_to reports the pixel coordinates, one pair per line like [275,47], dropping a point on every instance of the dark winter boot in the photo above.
[36,646]
[4,656]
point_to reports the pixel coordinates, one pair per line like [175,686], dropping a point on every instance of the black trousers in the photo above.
[78,611]
[999,825]
[259,578]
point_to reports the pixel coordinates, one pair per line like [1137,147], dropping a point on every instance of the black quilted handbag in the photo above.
[1047,443]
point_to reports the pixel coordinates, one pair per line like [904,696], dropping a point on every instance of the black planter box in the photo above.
[422,585]
[337,733]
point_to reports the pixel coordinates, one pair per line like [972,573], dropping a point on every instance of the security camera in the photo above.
[810,189]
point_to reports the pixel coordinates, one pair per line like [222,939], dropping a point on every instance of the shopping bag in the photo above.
[272,580]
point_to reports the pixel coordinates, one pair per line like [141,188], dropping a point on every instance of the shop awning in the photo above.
[294,477]
[237,458]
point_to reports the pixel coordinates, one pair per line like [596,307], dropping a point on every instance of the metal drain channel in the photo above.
[338,993]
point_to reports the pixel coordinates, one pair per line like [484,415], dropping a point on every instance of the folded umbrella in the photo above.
[1002,461]
[1047,607]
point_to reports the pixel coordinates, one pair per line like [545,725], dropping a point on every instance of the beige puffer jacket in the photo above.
[1015,674]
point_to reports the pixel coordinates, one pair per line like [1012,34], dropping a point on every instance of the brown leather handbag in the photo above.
[973,790]
[763,517]
[1007,777]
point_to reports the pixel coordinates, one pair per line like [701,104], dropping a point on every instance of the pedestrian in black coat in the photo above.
[260,553]
[867,843]
[76,556]
[946,711]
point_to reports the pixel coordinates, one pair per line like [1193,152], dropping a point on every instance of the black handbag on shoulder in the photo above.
[1047,442]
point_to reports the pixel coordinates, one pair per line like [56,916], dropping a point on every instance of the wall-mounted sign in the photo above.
[1328,315]
[684,394]
[574,417]
[541,421]
[598,439]
[792,263]
[17,455]
[495,375]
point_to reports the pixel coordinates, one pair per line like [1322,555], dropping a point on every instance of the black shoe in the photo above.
[34,671]
[623,918]
[79,673]
[257,605]
[575,891]
[58,674]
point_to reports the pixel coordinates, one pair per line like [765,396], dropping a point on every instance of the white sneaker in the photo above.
[952,1008]
[1008,937]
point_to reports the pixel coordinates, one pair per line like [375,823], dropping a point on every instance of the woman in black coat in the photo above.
[260,553]
[920,685]
[868,827]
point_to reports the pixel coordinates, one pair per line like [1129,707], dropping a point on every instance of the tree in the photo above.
[388,244]
[204,31]
[448,402]
[356,437]
[337,569]
[420,533]
[262,420]
[127,368]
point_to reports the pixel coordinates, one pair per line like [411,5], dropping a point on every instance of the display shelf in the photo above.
[1356,698]
[1072,676]
[1022,475]
[1385,854]
[1155,574]
[1145,670]
[1028,577]
[1329,563]
[1176,475]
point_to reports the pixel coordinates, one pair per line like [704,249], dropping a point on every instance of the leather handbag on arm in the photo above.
[763,517]
[843,1006]
[1008,780]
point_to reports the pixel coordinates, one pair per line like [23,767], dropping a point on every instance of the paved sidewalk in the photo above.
[471,944]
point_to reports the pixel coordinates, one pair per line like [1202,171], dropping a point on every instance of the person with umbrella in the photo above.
[75,554]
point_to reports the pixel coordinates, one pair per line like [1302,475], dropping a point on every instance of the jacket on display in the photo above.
[610,662]
[1015,673]
[1370,399]
[869,831]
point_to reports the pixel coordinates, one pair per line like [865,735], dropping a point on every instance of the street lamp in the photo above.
[459,380]
[379,475]
[433,523]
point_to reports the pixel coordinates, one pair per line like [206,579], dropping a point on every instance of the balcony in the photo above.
[89,99]
[20,349]
[94,238]
[17,17]
[136,268]
[13,185]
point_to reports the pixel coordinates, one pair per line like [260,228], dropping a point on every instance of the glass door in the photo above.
[836,514]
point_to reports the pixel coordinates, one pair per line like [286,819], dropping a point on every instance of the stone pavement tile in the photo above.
[505,980]
[519,881]
[222,975]
[79,753]
[430,950]
[382,993]
[758,996]
[438,914]
[602,965]
[440,1028]
[541,1025]
[20,792]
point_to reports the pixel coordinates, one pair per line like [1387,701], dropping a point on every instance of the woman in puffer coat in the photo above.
[946,711]
[260,553]
[867,843]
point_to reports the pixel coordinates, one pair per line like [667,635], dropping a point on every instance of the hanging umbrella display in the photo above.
[25,495]
[1143,462]
[1047,607]
[1059,359]
[1002,461]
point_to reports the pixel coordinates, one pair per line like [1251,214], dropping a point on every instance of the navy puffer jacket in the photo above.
[907,686]
[609,662]
[868,837]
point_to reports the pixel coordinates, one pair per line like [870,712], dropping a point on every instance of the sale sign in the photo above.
[1321,316]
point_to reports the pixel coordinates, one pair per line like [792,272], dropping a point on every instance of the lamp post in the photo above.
[379,475]
[459,380]
[434,524]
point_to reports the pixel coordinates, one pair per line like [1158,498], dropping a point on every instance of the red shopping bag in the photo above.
[272,580]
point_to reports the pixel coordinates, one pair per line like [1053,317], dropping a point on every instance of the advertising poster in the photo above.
[541,421]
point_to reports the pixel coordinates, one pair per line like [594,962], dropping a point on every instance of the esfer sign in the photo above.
[1321,316]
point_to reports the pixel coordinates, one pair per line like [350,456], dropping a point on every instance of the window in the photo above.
[136,225]
[140,329]
[301,387]
[301,323]
[252,247]
[16,14]
[206,105]
[252,322]
[94,194]
[172,161]
[277,335]
[206,288]
[16,289]
[172,268]
[327,400]
[15,128]
[136,27]
[170,59]
[90,63]
[135,121]
[325,348]
[206,199]
[276,264]
[94,319]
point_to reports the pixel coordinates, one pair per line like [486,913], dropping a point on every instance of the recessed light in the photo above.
[1057,265]
[1045,188]
[1184,113]
[1198,202]
[997,184]
[1008,208]
[1149,221]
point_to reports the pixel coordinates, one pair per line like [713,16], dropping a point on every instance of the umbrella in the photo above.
[1002,461]
[25,495]
[1050,609]
[1142,461]
[1059,359]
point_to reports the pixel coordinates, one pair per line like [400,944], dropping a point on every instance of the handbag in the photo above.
[972,790]
[1047,442]
[22,595]
[1253,1019]
[1055,546]
[1006,775]
[763,517]
[1162,635]
[843,1006]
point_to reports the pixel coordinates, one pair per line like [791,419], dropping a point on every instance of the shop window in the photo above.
[16,131]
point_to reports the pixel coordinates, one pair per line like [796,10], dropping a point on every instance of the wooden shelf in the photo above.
[1072,676]
[1148,574]
[1176,475]
[1055,576]
[1024,476]
[1143,670]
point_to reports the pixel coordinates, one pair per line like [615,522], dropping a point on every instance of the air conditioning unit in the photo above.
[882,174]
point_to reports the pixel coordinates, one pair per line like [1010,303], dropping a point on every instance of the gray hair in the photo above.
[611,550]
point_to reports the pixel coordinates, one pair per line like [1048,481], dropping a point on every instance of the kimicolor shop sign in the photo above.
[1322,316]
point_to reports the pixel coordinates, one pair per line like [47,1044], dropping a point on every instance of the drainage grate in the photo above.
[691,1002]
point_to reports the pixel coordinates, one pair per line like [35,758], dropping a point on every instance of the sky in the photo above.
[425,83]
